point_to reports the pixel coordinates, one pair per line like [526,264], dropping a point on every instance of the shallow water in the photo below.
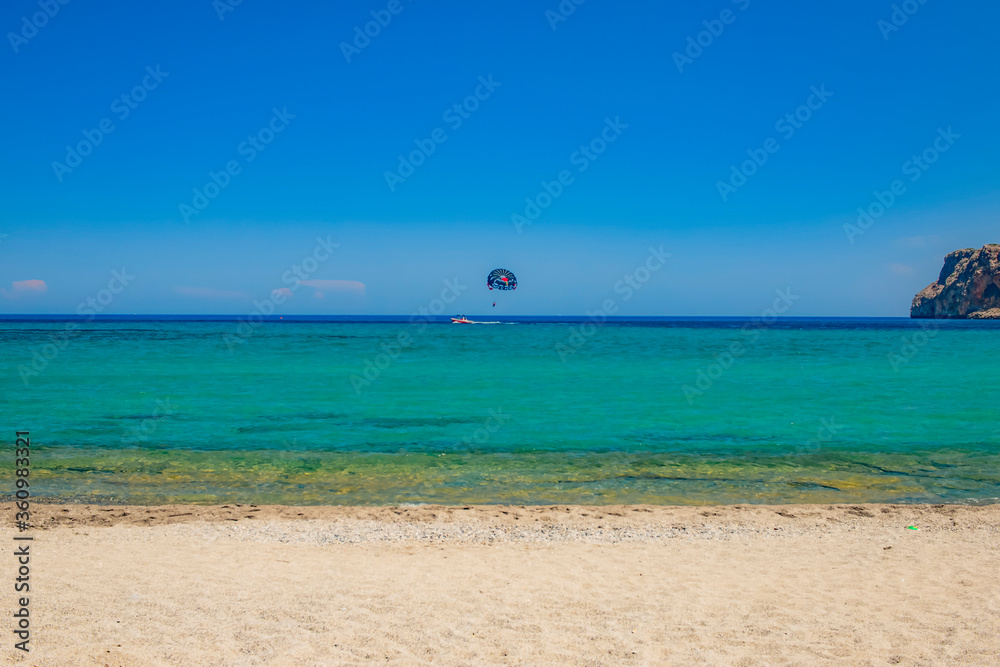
[800,411]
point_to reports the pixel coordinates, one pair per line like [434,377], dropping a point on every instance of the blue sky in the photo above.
[332,129]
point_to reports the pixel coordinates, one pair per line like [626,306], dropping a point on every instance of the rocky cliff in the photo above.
[968,287]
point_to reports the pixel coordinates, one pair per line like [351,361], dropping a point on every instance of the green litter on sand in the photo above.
[912,528]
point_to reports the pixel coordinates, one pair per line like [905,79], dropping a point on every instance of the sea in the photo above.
[402,411]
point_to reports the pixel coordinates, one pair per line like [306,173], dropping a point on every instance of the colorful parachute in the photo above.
[501,279]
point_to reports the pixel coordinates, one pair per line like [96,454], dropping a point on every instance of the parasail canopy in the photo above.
[501,279]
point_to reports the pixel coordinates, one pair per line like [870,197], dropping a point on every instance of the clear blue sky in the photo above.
[324,173]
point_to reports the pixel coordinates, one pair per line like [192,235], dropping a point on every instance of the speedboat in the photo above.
[461,319]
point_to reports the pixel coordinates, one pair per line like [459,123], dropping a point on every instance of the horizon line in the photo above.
[428,317]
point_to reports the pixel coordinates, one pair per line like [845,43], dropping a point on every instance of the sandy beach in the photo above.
[642,585]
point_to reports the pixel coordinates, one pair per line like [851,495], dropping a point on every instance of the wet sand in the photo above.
[564,585]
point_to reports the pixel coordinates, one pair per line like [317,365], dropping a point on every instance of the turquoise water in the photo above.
[806,411]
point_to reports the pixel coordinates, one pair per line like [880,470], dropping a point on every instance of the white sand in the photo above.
[565,586]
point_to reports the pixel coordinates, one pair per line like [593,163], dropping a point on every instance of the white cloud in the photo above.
[341,286]
[20,288]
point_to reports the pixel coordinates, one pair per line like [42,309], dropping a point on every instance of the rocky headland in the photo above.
[968,287]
